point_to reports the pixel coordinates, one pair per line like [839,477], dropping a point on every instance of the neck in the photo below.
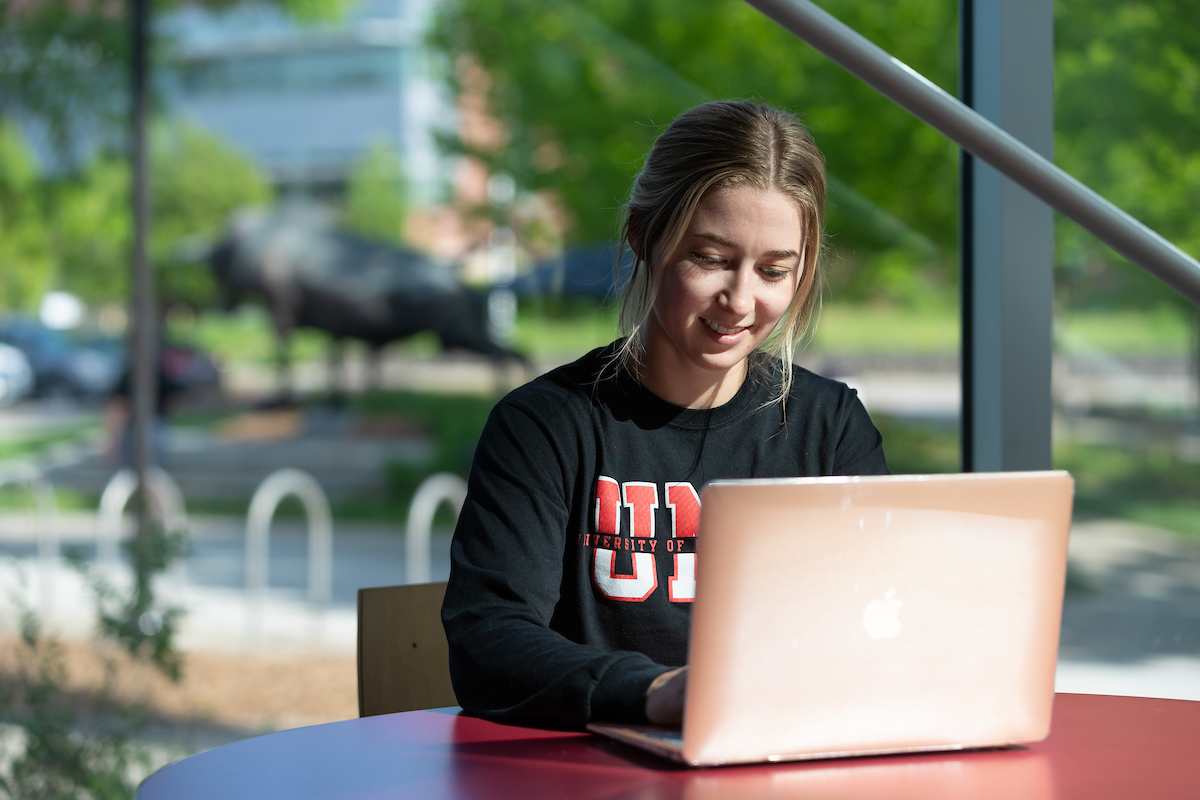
[686,385]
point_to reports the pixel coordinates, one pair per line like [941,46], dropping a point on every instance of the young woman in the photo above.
[573,564]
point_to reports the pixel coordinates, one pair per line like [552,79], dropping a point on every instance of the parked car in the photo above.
[62,366]
[16,377]
[183,371]
[189,369]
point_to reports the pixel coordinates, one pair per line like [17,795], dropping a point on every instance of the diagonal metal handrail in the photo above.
[923,99]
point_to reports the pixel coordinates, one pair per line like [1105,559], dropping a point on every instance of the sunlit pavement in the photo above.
[210,587]
[1131,620]
[1172,678]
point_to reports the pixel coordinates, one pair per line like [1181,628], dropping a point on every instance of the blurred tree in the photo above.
[91,227]
[79,238]
[64,64]
[1127,103]
[582,91]
[376,203]
[64,68]
[197,181]
[24,253]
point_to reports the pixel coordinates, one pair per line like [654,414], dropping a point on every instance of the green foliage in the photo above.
[63,64]
[583,90]
[24,256]
[916,448]
[64,69]
[138,621]
[18,446]
[845,328]
[74,231]
[1149,484]
[197,181]
[306,11]
[57,761]
[92,227]
[1162,330]
[60,756]
[66,63]
[453,422]
[563,328]
[245,336]
[376,195]
[1127,83]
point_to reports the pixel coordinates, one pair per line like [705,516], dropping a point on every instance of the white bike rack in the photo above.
[442,487]
[161,488]
[274,488]
[45,522]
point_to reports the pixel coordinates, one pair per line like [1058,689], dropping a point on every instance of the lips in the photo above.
[721,329]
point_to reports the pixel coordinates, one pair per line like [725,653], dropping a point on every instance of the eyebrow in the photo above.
[721,240]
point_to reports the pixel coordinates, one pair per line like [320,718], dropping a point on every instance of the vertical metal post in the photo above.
[143,350]
[1007,241]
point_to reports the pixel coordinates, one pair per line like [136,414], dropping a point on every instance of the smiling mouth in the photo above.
[721,329]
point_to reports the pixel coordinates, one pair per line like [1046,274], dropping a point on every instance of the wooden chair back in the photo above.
[403,659]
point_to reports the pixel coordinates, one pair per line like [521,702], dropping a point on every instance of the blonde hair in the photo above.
[715,146]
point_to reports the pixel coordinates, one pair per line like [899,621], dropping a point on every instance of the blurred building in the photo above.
[306,101]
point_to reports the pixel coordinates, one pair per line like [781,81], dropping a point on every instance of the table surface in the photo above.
[1100,747]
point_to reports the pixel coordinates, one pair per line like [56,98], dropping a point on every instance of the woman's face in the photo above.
[721,293]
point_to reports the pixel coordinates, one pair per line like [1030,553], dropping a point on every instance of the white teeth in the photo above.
[721,328]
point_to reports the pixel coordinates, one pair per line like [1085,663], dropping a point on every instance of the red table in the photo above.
[1100,747]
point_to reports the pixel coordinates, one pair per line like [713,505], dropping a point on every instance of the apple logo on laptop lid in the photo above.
[881,617]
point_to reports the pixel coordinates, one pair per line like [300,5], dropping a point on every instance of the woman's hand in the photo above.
[664,698]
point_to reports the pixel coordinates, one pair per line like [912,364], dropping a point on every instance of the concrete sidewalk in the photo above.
[1131,619]
[210,585]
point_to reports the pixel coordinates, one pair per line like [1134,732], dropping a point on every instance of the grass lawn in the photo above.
[1161,331]
[917,448]
[1150,486]
[29,446]
[887,329]
[556,329]
[245,337]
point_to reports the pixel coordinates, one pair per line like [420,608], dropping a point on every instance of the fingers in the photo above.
[664,698]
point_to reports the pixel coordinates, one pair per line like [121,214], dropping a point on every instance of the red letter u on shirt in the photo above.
[641,499]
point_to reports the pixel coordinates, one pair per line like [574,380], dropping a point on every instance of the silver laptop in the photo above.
[868,615]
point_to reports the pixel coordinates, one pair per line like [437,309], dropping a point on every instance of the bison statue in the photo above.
[312,274]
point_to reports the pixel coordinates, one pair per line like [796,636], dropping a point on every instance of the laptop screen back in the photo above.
[875,614]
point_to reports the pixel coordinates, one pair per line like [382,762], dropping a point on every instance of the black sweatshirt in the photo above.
[572,566]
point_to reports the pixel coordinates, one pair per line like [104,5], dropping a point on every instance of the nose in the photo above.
[738,293]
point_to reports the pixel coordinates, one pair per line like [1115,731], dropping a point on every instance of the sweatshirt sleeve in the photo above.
[506,558]
[860,446]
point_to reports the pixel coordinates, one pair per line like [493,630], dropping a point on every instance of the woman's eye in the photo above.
[712,261]
[775,273]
